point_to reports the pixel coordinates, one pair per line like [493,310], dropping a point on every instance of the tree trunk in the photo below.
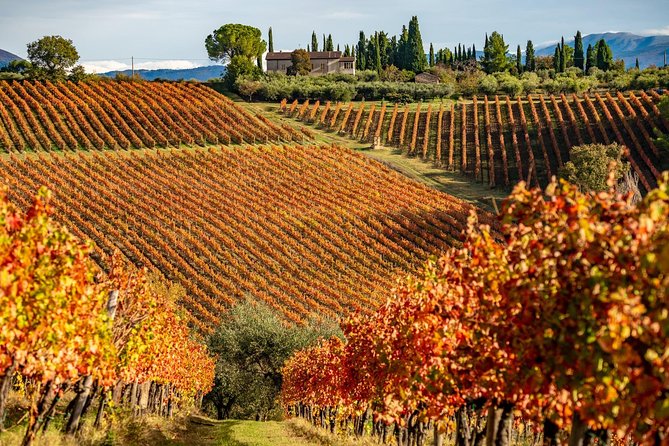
[505,426]
[492,424]
[462,434]
[77,410]
[37,412]
[5,387]
[438,437]
[579,429]
[550,433]
[101,409]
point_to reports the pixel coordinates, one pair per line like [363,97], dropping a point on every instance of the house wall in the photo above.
[319,67]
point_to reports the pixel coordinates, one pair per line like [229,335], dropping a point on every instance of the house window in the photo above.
[348,65]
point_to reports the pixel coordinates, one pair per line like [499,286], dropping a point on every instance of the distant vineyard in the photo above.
[308,230]
[501,140]
[37,116]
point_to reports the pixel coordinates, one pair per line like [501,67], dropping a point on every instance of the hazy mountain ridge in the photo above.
[626,46]
[6,57]
[199,73]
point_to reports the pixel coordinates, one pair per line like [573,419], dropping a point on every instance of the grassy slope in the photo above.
[452,183]
[206,432]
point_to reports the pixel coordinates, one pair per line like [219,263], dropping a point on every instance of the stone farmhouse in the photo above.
[322,62]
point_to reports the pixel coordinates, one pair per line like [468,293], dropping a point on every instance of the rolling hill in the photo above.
[199,74]
[6,57]
[626,46]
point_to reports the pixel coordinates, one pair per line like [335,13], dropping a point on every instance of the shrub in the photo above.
[489,84]
[589,166]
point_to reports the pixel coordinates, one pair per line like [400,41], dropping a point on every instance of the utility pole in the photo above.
[132,61]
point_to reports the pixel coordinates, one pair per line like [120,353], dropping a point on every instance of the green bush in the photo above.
[589,166]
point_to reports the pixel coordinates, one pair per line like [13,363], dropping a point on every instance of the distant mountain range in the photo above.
[627,46]
[200,73]
[6,57]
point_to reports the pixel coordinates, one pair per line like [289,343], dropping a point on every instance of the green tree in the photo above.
[636,63]
[377,55]
[579,59]
[300,63]
[417,60]
[494,59]
[251,347]
[238,67]
[590,58]
[589,166]
[563,57]
[604,55]
[271,40]
[51,57]
[402,58]
[361,60]
[233,40]
[431,55]
[557,56]
[314,41]
[519,60]
[530,61]
[329,45]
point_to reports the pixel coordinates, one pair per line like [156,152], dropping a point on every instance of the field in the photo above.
[308,230]
[500,141]
[36,116]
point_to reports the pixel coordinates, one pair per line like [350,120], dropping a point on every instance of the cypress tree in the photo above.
[519,60]
[556,58]
[338,47]
[474,52]
[636,64]
[392,51]
[495,56]
[604,55]
[371,54]
[361,61]
[308,48]
[270,37]
[469,53]
[432,62]
[578,51]
[384,49]
[314,41]
[530,61]
[563,58]
[458,56]
[403,50]
[417,60]
[590,58]
[329,45]
[377,54]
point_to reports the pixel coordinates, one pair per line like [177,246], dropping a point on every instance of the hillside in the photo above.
[500,141]
[38,116]
[6,57]
[626,46]
[311,231]
[201,74]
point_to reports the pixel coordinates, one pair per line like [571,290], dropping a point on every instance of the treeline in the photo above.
[396,86]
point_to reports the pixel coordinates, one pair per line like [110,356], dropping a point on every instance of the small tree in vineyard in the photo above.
[590,165]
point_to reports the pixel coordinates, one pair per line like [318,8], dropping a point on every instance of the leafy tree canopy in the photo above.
[51,57]
[301,63]
[233,40]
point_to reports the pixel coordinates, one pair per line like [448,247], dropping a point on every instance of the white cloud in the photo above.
[104,66]
[656,32]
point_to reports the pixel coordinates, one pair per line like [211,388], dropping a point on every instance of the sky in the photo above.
[171,33]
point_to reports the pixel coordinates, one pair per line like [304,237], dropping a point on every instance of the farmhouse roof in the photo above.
[285,55]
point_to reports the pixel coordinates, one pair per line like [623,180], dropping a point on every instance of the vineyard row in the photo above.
[307,230]
[45,116]
[501,141]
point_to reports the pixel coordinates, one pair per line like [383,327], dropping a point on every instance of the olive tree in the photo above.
[237,45]
[51,57]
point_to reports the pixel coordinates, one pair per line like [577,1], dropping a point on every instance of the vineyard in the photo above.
[501,141]
[45,116]
[308,230]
